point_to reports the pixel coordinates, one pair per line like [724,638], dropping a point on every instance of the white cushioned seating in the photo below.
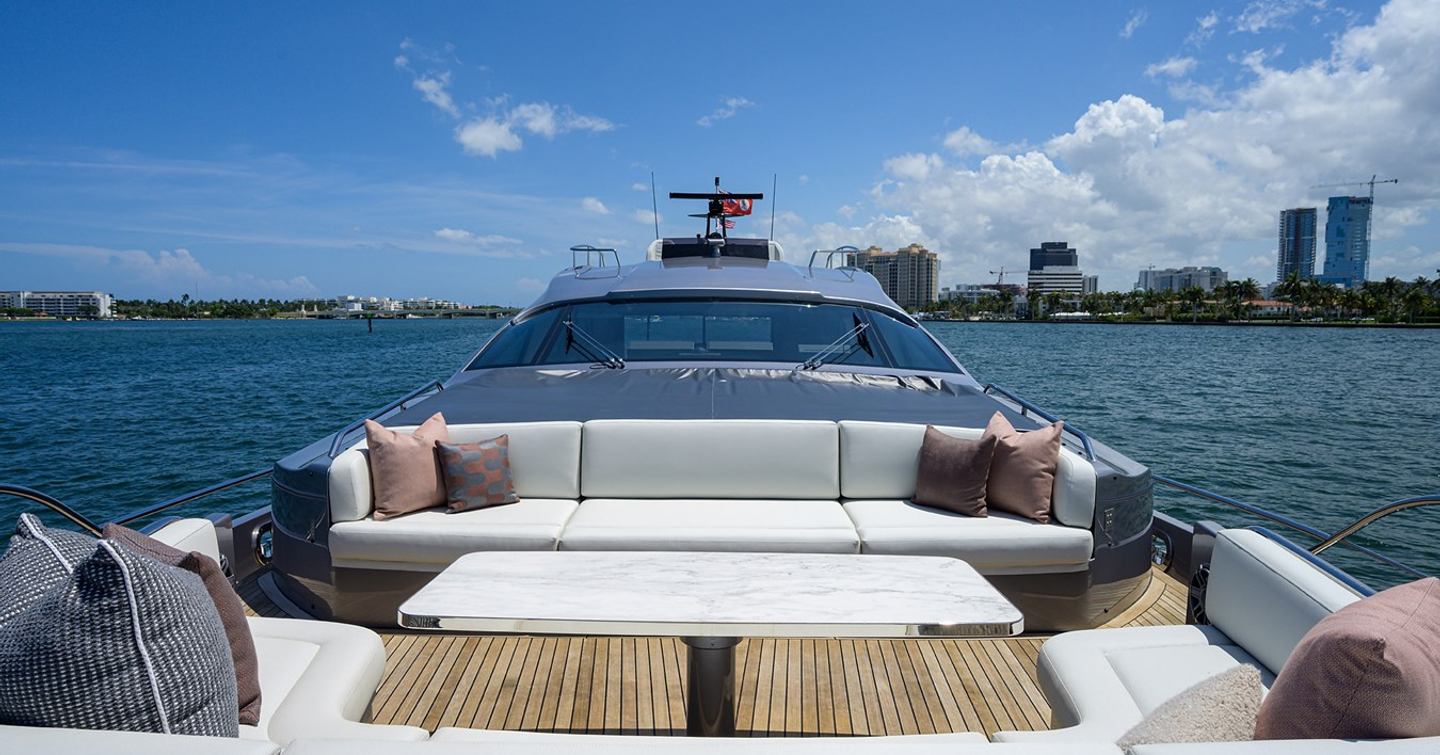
[996,544]
[1261,599]
[879,460]
[544,463]
[316,680]
[773,526]
[192,534]
[35,739]
[710,459]
[430,540]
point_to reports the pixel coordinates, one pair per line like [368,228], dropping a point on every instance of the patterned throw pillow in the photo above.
[477,475]
[121,642]
[37,560]
[227,604]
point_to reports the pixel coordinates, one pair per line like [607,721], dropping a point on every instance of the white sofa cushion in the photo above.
[544,463]
[710,459]
[430,540]
[316,680]
[996,544]
[881,459]
[755,526]
[1265,597]
[193,534]
[1101,682]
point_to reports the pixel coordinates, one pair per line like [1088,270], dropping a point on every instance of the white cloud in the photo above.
[487,136]
[964,142]
[729,106]
[802,179]
[460,235]
[1137,20]
[637,186]
[847,211]
[1270,14]
[646,216]
[1173,67]
[1130,185]
[1204,29]
[591,204]
[165,270]
[432,88]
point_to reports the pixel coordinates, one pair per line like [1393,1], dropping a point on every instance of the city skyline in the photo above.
[438,151]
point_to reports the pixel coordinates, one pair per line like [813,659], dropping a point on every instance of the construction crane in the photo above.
[1001,272]
[1371,183]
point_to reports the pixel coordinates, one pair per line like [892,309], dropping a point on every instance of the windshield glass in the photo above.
[721,331]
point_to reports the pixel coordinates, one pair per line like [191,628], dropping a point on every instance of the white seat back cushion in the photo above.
[192,534]
[879,460]
[710,459]
[1265,597]
[544,463]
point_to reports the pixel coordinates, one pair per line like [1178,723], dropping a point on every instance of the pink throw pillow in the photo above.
[1022,474]
[404,470]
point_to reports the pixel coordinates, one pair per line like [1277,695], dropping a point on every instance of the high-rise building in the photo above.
[1178,279]
[910,276]
[1090,284]
[1297,244]
[1347,240]
[1055,268]
[61,303]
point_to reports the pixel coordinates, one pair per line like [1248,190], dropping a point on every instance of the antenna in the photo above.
[774,192]
[654,206]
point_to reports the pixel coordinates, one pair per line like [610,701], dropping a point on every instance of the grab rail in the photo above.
[337,445]
[830,257]
[1365,521]
[1028,407]
[49,502]
[1285,521]
[193,495]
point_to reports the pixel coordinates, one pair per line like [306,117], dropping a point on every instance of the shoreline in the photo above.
[1213,323]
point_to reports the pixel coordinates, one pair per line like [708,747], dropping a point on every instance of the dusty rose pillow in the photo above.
[953,472]
[404,469]
[477,474]
[227,604]
[1022,475]
[1368,671]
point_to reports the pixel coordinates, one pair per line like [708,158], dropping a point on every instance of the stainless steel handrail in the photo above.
[193,495]
[337,445]
[1026,406]
[830,256]
[1370,518]
[49,502]
[1283,521]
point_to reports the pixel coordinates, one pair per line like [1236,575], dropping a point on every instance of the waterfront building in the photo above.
[1296,253]
[970,293]
[1090,285]
[910,275]
[61,303]
[1177,279]
[1055,268]
[1347,241]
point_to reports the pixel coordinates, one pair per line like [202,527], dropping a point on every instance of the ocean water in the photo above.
[1320,424]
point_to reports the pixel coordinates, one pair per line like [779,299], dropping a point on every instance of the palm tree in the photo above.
[1194,296]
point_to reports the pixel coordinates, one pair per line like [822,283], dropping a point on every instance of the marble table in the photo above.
[711,600]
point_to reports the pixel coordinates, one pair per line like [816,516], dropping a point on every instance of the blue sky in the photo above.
[457,150]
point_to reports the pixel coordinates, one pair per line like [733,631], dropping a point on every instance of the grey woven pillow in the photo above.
[37,559]
[121,643]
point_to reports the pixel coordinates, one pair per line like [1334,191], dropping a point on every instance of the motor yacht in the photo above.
[714,396]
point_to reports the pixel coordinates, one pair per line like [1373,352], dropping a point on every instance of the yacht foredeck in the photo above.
[615,685]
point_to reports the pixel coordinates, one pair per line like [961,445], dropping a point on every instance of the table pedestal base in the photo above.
[710,695]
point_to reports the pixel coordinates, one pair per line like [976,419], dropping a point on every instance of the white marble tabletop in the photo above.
[712,595]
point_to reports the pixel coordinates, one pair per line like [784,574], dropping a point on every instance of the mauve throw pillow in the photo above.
[953,472]
[227,604]
[1368,671]
[1022,476]
[477,474]
[404,470]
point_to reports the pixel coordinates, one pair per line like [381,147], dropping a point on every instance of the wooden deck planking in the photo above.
[785,687]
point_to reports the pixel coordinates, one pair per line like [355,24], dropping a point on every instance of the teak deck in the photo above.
[613,685]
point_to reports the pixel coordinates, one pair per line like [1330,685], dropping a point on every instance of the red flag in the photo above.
[737,207]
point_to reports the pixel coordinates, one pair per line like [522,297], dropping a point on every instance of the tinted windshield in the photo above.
[721,331]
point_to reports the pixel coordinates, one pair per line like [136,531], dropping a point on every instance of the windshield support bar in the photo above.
[837,348]
[592,346]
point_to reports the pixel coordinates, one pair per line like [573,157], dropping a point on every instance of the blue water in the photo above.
[1321,424]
